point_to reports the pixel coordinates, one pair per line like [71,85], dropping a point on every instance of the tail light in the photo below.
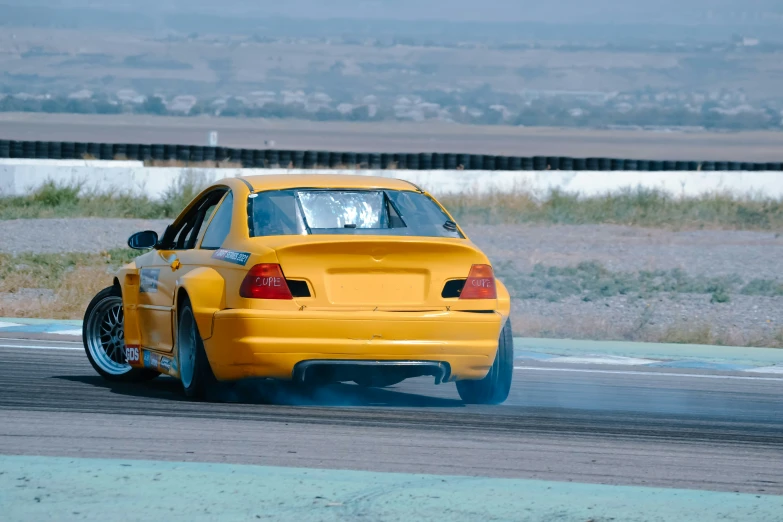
[265,281]
[480,284]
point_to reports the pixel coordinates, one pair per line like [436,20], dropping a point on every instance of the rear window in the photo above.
[353,212]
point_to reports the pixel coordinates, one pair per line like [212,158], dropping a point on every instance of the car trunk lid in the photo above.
[360,273]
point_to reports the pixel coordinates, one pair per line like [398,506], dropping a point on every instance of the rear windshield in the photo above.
[355,212]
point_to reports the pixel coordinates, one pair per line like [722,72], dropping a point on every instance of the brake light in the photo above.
[265,281]
[480,284]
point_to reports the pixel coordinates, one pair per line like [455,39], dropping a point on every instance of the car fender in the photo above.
[127,278]
[504,300]
[206,289]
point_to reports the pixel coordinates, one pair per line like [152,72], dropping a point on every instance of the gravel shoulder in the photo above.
[618,248]
[670,316]
[747,254]
[55,236]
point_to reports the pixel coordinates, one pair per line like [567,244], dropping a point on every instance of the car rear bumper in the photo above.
[253,343]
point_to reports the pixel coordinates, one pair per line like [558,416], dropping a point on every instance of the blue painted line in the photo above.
[40,328]
[736,355]
[537,356]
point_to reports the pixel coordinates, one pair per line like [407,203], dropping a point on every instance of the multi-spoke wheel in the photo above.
[104,338]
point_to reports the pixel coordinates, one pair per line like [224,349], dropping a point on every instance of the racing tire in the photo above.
[195,373]
[495,387]
[103,336]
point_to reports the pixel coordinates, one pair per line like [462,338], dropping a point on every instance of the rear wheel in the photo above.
[196,375]
[495,387]
[103,335]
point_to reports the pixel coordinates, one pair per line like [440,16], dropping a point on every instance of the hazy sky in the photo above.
[550,11]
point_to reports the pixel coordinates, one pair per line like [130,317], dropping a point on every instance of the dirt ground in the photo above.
[569,281]
[757,146]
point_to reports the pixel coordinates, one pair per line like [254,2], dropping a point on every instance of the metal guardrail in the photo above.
[307,159]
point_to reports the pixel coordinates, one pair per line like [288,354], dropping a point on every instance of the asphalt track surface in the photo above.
[703,430]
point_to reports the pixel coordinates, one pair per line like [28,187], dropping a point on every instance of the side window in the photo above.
[219,227]
[180,238]
[192,226]
[203,221]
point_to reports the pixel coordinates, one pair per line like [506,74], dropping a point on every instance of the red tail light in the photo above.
[265,281]
[480,284]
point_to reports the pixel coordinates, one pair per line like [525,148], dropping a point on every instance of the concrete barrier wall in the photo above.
[18,177]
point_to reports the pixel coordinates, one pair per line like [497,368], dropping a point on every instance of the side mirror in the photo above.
[143,240]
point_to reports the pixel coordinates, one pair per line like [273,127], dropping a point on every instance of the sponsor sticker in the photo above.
[151,360]
[132,354]
[165,364]
[149,280]
[231,256]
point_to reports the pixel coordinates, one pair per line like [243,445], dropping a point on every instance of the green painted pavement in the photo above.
[659,351]
[62,489]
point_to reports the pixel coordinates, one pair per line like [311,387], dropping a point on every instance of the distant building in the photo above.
[83,94]
[182,103]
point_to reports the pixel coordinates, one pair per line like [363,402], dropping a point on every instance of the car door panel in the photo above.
[155,302]
[160,270]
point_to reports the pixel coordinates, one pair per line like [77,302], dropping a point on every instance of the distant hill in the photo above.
[553,19]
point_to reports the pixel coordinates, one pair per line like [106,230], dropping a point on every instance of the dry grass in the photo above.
[641,207]
[555,328]
[69,301]
[226,164]
[53,200]
[703,333]
[604,330]
[57,286]
[193,164]
[694,334]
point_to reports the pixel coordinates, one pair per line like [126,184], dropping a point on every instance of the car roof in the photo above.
[287,181]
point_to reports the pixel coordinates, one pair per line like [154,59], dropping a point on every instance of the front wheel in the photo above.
[495,387]
[103,335]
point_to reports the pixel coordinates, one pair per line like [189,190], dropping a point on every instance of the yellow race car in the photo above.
[310,278]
